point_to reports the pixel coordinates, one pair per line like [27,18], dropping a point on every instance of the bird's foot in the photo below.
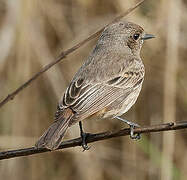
[84,143]
[132,127]
[84,136]
[132,135]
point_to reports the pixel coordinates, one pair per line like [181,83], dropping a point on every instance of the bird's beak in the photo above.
[147,36]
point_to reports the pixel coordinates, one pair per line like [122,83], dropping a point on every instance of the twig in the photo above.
[95,137]
[62,56]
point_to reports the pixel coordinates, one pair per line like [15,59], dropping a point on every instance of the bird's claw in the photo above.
[132,135]
[84,143]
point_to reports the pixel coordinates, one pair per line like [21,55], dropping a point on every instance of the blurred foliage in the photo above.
[32,34]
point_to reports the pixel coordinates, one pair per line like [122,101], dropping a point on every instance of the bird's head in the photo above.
[126,36]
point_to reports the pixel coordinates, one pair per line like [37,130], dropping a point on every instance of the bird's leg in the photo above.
[84,137]
[132,127]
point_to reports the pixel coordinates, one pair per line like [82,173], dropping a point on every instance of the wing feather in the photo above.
[88,97]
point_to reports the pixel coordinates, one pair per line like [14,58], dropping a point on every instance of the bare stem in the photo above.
[95,137]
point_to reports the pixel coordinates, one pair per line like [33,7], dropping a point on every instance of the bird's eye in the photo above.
[136,36]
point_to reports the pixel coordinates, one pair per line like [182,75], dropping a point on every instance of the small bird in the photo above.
[107,84]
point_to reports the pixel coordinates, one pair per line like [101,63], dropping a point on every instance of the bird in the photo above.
[106,86]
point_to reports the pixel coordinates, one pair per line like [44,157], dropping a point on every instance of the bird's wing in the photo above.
[90,97]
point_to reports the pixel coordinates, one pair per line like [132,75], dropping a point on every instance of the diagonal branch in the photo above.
[95,137]
[63,55]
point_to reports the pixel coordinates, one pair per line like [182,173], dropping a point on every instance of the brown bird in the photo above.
[107,84]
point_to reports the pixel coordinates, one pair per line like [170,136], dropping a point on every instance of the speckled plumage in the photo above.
[106,85]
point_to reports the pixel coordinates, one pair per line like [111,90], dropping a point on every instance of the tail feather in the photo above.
[52,137]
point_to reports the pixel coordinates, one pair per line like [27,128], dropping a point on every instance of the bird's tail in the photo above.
[52,137]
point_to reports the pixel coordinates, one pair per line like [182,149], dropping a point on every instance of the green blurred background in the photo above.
[34,32]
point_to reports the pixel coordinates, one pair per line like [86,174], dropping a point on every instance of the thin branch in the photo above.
[95,137]
[63,55]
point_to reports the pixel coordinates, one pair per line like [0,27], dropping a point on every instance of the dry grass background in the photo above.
[33,33]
